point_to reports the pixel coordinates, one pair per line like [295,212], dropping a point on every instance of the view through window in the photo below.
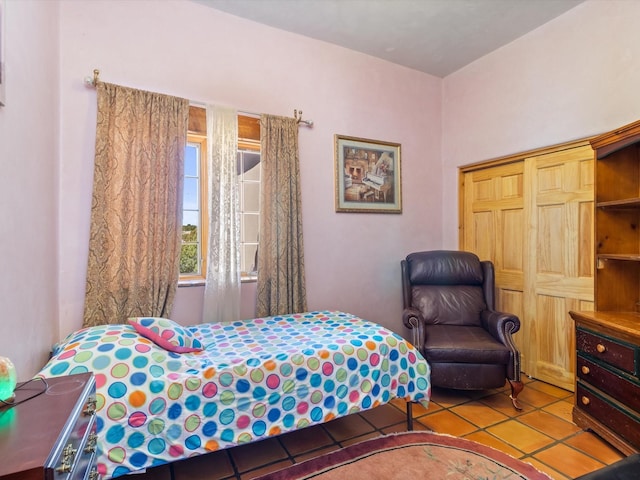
[193,255]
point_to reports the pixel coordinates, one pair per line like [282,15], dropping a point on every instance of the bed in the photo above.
[166,392]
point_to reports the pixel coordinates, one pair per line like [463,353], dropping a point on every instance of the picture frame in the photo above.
[367,175]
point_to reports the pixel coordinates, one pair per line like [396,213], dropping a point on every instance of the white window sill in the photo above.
[201,283]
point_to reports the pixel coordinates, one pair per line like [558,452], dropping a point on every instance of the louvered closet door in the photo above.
[494,229]
[560,273]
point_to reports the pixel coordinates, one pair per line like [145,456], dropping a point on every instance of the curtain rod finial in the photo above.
[93,81]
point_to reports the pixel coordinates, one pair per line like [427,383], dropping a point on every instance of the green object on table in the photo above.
[7,379]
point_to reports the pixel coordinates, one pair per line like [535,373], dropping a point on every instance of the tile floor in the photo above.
[541,434]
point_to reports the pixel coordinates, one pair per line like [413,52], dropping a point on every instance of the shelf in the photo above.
[626,257]
[621,204]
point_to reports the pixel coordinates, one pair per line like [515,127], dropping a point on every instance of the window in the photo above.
[195,216]
[249,186]
[194,209]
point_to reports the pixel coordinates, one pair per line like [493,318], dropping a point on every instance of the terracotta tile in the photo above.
[478,394]
[446,422]
[594,446]
[520,436]
[562,409]
[384,416]
[418,408]
[417,426]
[494,442]
[272,467]
[348,427]
[252,455]
[502,403]
[448,398]
[543,467]
[478,414]
[161,472]
[211,466]
[362,438]
[552,390]
[536,398]
[305,440]
[400,403]
[316,453]
[549,424]
[568,461]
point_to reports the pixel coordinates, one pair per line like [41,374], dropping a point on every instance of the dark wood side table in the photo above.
[50,433]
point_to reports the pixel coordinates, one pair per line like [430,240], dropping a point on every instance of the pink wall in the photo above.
[28,185]
[574,77]
[187,49]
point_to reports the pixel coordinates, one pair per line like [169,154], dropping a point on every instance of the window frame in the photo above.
[252,147]
[203,232]
[248,139]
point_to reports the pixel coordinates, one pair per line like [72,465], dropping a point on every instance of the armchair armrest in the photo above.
[501,326]
[413,320]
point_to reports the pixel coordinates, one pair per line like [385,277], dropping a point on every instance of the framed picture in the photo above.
[367,175]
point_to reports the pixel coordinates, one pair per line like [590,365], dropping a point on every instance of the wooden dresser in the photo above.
[607,396]
[50,433]
[608,378]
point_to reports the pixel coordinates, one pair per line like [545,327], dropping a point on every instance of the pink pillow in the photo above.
[167,334]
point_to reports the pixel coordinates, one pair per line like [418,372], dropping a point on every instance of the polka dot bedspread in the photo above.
[254,379]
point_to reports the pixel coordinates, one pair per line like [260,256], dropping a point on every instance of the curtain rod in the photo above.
[93,82]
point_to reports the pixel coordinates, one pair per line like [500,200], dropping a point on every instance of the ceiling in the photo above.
[437,37]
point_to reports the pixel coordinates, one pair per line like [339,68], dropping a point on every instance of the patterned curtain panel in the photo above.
[222,290]
[136,212]
[281,281]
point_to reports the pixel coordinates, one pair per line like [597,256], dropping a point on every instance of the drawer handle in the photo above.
[585,400]
[601,348]
[90,407]
[65,466]
[94,475]
[585,370]
[68,454]
[91,443]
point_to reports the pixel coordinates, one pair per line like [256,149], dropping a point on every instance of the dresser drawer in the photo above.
[71,459]
[52,432]
[620,355]
[86,458]
[617,386]
[624,423]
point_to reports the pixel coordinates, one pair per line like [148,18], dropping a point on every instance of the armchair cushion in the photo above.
[444,268]
[464,344]
[449,304]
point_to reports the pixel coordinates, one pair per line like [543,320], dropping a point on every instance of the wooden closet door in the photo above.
[494,228]
[532,215]
[559,277]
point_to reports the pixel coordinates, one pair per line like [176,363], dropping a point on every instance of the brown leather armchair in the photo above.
[449,301]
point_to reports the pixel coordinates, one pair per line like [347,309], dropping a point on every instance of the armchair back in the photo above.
[448,287]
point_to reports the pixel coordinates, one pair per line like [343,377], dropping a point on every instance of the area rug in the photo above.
[411,455]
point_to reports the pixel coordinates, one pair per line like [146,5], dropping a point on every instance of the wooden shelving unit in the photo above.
[607,398]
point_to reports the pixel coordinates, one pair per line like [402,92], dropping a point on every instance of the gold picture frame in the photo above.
[368,176]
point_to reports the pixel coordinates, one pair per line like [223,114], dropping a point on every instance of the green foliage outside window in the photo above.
[189,252]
